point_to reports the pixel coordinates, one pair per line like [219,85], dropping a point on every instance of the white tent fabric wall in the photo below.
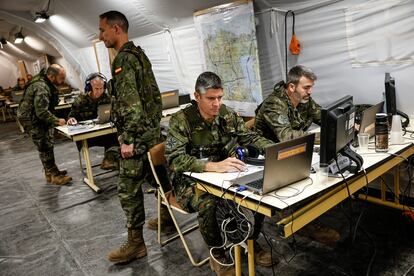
[378,33]
[322,32]
[87,60]
[320,26]
[156,48]
[175,58]
[187,56]
[10,72]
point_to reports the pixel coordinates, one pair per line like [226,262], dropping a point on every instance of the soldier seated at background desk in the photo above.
[85,107]
[20,85]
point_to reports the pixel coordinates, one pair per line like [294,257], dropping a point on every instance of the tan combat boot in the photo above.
[167,224]
[263,257]
[108,164]
[133,248]
[59,179]
[48,174]
[221,270]
[320,233]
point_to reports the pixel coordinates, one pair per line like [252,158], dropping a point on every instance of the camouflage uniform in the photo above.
[35,115]
[278,120]
[86,108]
[136,113]
[190,141]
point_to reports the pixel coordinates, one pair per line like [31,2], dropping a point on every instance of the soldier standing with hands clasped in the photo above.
[136,114]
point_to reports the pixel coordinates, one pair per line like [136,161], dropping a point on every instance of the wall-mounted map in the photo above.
[227,36]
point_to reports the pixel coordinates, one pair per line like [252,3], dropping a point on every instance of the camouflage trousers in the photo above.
[43,139]
[206,204]
[133,173]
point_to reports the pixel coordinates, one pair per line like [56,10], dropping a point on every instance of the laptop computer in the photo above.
[170,99]
[17,96]
[104,114]
[368,119]
[285,163]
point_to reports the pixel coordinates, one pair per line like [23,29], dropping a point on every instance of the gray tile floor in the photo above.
[49,230]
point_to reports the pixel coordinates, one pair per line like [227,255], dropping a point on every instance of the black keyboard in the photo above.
[257,184]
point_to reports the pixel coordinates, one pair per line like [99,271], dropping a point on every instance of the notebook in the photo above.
[368,119]
[104,114]
[170,99]
[285,163]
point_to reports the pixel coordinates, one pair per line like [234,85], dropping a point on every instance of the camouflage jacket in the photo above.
[86,108]
[278,120]
[191,140]
[137,108]
[38,102]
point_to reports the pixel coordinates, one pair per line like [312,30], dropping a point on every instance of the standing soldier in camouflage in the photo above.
[85,107]
[35,114]
[203,138]
[136,114]
[289,111]
[286,114]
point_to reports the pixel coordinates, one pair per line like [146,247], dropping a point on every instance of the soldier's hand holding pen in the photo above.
[72,121]
[230,164]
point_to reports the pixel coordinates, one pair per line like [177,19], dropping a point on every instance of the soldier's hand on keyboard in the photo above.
[230,164]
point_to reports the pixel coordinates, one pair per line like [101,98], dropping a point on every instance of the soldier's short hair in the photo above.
[206,81]
[299,71]
[116,17]
[53,70]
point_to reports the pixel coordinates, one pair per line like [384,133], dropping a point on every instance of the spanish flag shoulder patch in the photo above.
[118,70]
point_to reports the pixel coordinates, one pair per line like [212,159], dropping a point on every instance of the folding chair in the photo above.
[156,158]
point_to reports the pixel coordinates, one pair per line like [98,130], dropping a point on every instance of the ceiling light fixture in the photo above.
[18,37]
[41,17]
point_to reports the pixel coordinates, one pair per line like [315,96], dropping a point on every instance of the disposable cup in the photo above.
[363,140]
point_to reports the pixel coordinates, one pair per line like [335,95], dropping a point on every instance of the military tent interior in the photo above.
[68,230]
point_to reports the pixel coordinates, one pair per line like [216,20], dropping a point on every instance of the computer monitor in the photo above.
[390,100]
[337,131]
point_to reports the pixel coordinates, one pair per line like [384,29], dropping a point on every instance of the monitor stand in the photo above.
[348,161]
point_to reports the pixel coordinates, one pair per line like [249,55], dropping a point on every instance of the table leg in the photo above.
[89,176]
[250,256]
[237,260]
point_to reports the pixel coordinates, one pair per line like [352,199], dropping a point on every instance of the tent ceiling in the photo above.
[77,20]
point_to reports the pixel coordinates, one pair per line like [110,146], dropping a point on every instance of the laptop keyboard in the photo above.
[257,184]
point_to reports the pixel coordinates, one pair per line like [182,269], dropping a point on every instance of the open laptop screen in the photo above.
[170,99]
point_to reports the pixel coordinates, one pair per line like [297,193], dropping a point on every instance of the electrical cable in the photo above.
[351,221]
[271,252]
[286,15]
[408,271]
[244,225]
[362,228]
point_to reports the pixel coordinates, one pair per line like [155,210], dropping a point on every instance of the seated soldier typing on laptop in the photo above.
[286,114]
[85,107]
[203,137]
